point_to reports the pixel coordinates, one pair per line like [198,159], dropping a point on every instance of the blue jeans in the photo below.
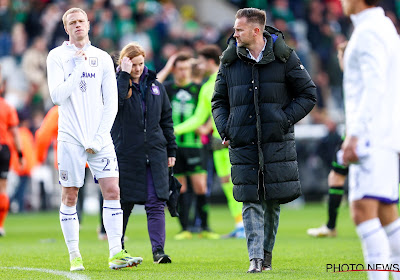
[261,221]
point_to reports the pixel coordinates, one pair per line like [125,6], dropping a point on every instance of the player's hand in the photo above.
[202,130]
[94,146]
[126,64]
[206,128]
[349,148]
[171,60]
[80,54]
[171,161]
[226,143]
[90,151]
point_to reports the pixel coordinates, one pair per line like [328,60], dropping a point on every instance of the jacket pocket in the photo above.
[228,127]
[284,124]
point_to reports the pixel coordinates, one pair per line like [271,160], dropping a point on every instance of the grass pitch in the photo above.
[34,248]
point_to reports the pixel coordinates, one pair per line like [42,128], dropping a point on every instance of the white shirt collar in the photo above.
[260,55]
[366,14]
[68,44]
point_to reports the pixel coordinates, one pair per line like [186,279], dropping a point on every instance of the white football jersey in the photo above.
[371,80]
[86,91]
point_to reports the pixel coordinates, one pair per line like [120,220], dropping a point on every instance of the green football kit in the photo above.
[221,157]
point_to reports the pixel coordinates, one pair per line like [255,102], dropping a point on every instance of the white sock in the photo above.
[112,219]
[239,224]
[375,247]
[393,234]
[70,228]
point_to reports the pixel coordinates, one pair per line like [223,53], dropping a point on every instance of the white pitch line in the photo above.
[69,275]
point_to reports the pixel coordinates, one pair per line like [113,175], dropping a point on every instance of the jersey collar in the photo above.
[70,45]
[367,15]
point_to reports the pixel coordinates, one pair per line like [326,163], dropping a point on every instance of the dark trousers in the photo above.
[155,215]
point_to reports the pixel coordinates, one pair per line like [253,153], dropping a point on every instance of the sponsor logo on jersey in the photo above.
[64,175]
[183,95]
[155,90]
[93,62]
[88,75]
[82,86]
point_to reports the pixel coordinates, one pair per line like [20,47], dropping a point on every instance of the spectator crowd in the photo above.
[30,28]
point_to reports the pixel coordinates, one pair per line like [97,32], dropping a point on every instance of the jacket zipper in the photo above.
[260,175]
[145,128]
[144,121]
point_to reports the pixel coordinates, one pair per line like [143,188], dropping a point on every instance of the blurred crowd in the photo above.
[30,28]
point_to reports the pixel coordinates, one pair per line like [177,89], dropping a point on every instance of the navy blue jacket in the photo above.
[143,135]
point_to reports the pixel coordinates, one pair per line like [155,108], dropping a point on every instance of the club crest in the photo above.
[64,175]
[155,90]
[93,61]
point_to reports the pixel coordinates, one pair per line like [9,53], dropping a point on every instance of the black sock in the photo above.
[184,203]
[335,197]
[202,209]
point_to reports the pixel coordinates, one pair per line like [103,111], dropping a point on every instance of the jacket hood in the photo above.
[275,48]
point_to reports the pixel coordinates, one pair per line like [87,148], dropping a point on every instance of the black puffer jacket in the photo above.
[140,141]
[255,106]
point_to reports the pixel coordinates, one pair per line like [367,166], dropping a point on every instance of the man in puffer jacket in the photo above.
[262,90]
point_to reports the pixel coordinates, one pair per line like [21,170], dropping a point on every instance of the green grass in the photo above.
[35,240]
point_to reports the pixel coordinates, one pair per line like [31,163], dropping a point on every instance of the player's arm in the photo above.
[340,53]
[220,104]
[12,122]
[46,133]
[110,108]
[206,128]
[163,74]
[199,117]
[373,62]
[60,89]
[17,140]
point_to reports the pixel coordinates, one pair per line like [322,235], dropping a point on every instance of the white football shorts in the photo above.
[72,162]
[376,176]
